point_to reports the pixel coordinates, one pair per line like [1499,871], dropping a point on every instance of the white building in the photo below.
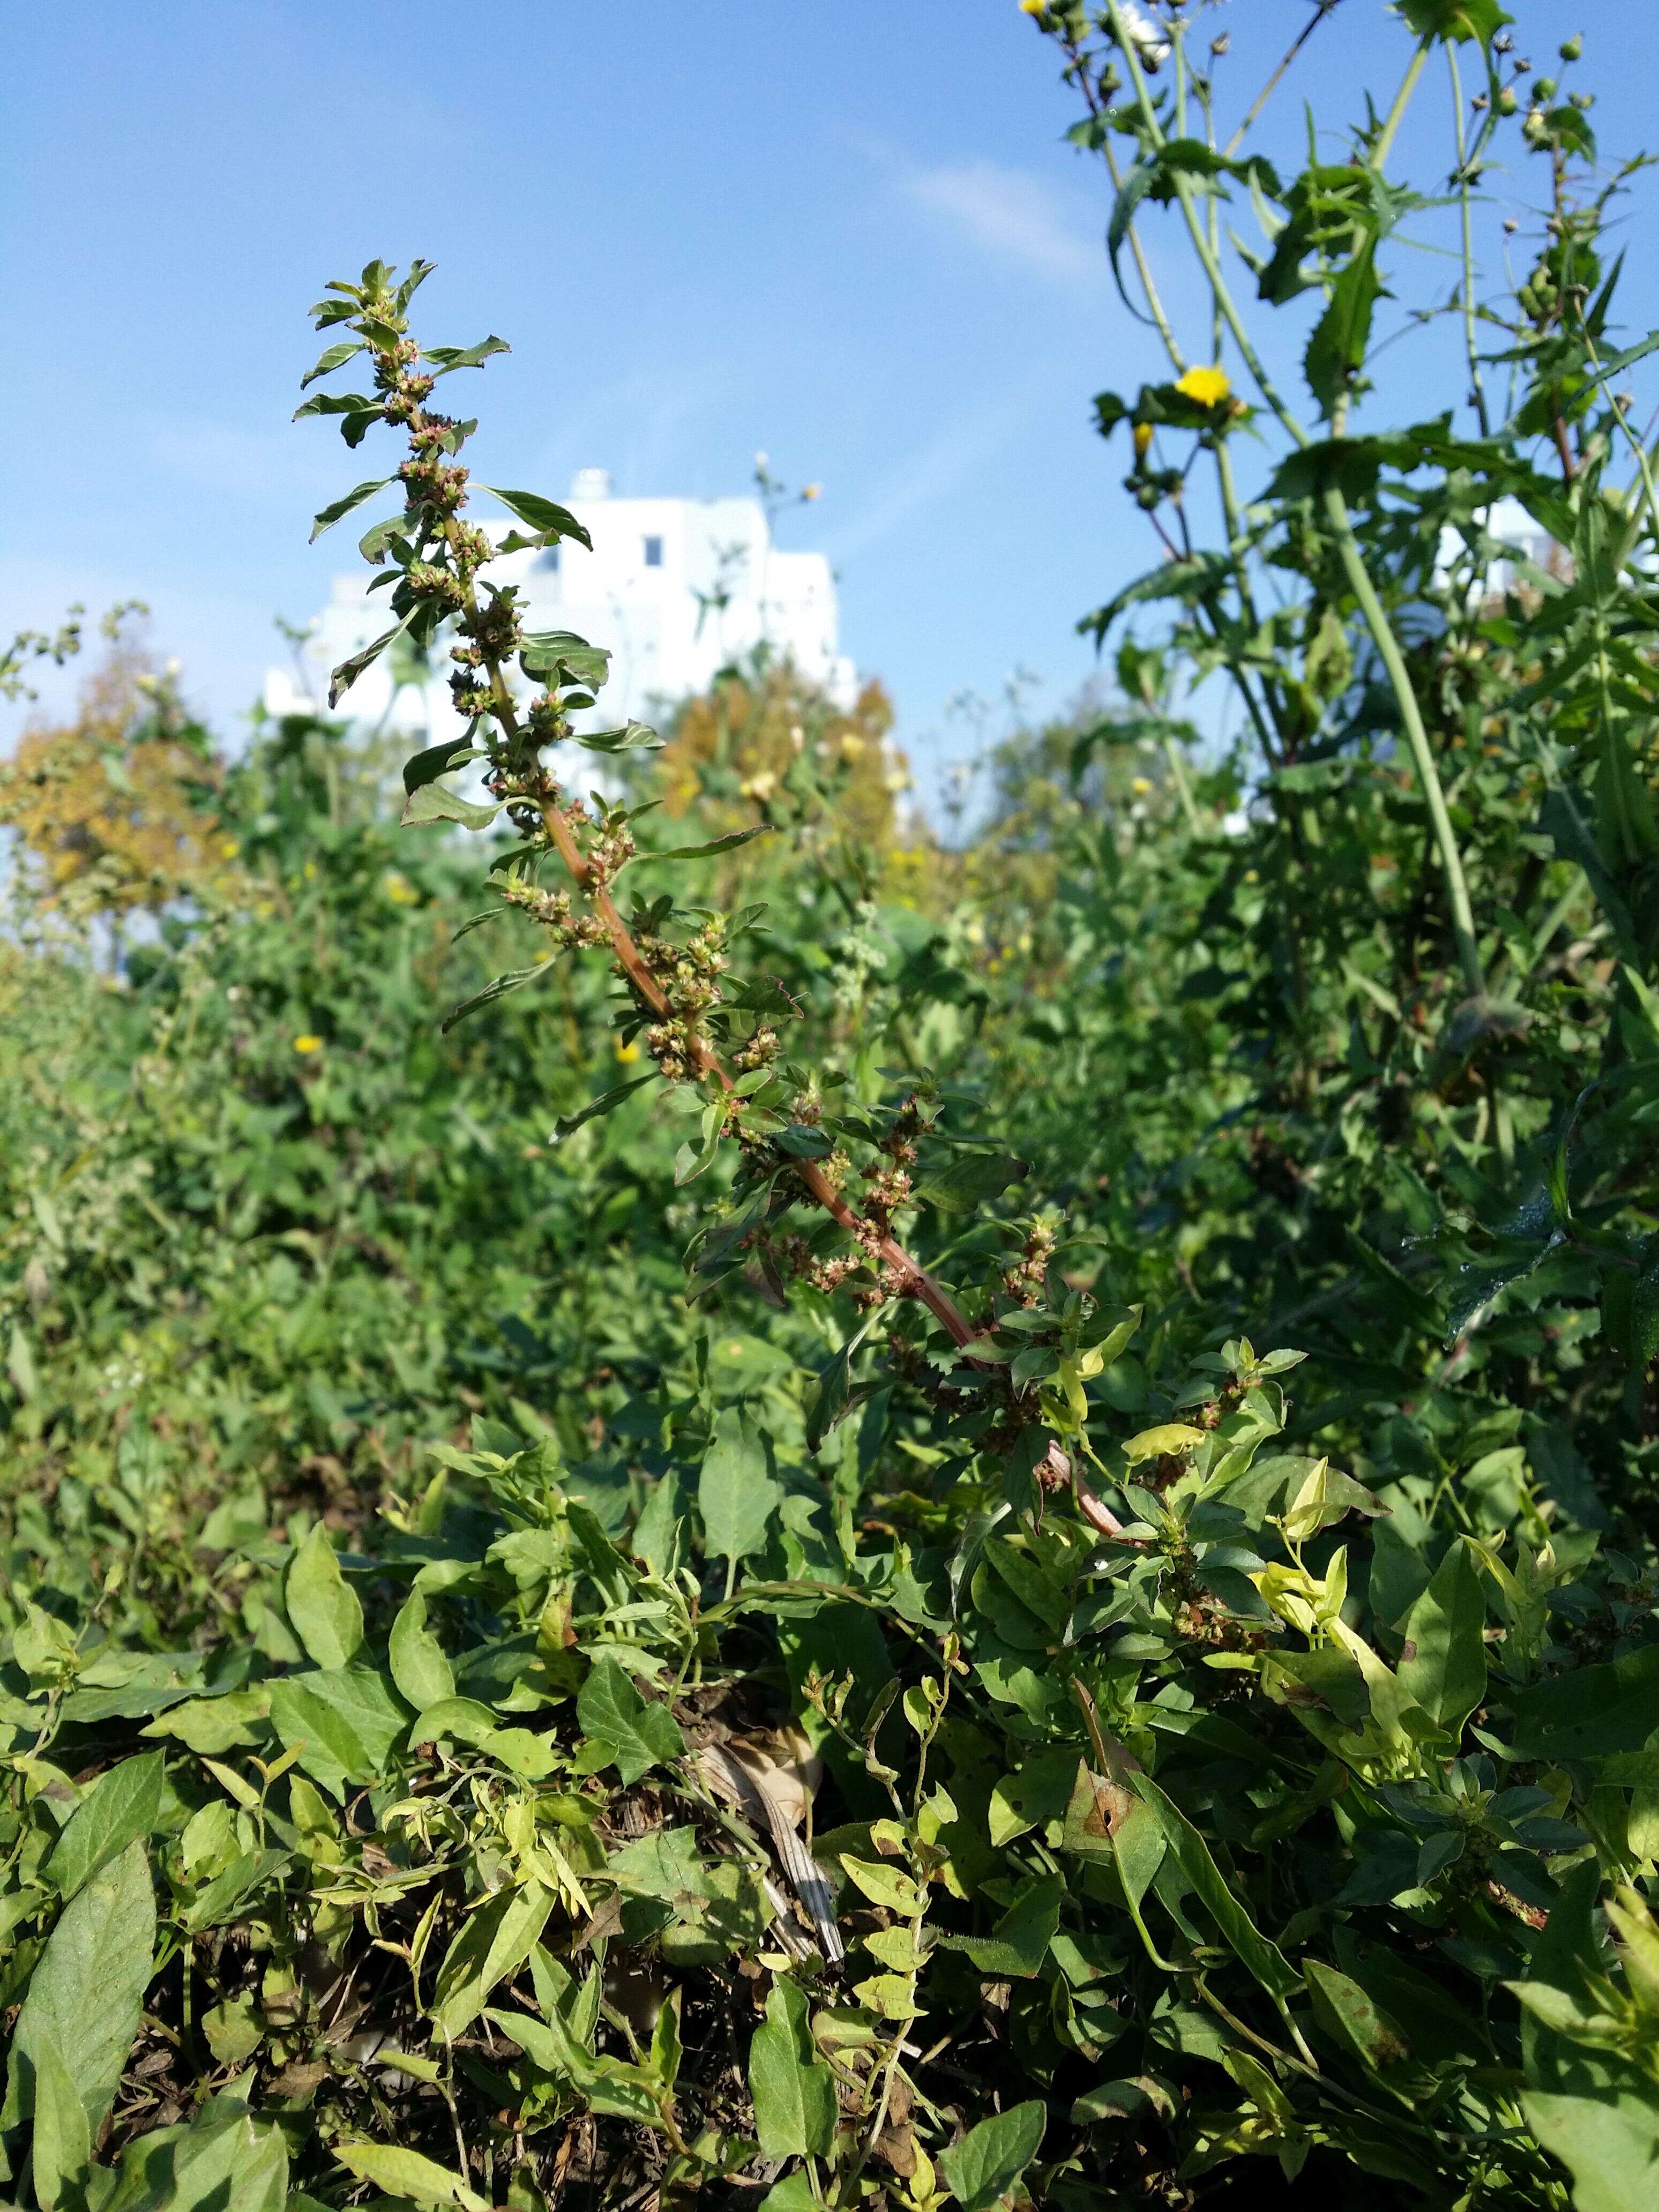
[674,588]
[1510,524]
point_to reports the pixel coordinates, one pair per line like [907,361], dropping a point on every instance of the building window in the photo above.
[653,552]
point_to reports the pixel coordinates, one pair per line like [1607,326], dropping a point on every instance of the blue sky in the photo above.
[846,230]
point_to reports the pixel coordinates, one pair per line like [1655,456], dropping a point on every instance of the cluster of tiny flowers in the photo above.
[552,910]
[856,956]
[1024,1278]
[761,1051]
[611,850]
[426,580]
[885,1191]
[687,977]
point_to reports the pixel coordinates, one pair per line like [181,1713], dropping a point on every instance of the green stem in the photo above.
[1379,153]
[1212,266]
[1178,770]
[1336,507]
[1477,387]
[1416,737]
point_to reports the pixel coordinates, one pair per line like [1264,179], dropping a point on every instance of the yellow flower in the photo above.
[813,491]
[626,1053]
[307,1043]
[1140,786]
[1208,386]
[1033,7]
[229,849]
[1142,435]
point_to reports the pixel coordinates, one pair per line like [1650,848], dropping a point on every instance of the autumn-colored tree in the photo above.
[112,811]
[765,739]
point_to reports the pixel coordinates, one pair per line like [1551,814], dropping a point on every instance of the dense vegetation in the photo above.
[701,1501]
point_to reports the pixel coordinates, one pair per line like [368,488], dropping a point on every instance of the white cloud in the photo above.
[1016,218]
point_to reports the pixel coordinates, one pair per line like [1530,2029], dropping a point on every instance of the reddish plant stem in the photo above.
[912,1280]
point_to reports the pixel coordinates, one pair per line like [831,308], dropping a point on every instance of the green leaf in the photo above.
[726,844]
[1350,2018]
[213,1726]
[499,986]
[1608,2143]
[632,1735]
[61,2149]
[1336,350]
[343,1721]
[444,359]
[423,1675]
[342,508]
[736,1494]
[397,2172]
[354,664]
[980,2171]
[332,357]
[1443,1662]
[435,802]
[86,1992]
[632,738]
[1018,1944]
[969,1180]
[545,516]
[794,2092]
[603,1104]
[327,1616]
[1589,1712]
[560,655]
[494,1942]
[834,1396]
[123,1806]
[225,2160]
[1460,21]
[222,1901]
[426,767]
[607,2085]
[1263,1959]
